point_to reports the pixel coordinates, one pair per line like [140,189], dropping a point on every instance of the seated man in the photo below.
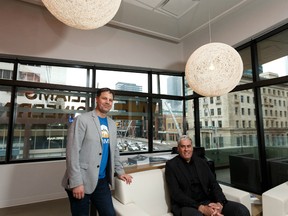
[193,188]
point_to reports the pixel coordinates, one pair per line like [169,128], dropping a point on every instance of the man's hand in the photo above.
[78,192]
[125,177]
[217,207]
[210,210]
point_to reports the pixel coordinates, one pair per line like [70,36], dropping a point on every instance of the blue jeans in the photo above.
[100,198]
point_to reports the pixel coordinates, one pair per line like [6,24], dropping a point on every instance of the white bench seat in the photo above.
[148,195]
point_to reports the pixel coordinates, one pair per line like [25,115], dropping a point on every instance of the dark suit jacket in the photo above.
[179,185]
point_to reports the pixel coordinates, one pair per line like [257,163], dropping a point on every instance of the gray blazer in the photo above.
[84,153]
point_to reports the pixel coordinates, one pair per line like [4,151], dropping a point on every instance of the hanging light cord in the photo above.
[209,24]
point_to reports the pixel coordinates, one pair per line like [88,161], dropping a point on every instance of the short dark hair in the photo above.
[99,92]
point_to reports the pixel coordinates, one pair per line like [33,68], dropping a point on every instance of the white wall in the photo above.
[31,182]
[31,31]
[249,21]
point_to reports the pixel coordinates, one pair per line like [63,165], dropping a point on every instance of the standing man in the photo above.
[193,188]
[92,159]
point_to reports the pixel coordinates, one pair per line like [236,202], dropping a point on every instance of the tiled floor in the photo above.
[257,207]
[257,210]
[50,208]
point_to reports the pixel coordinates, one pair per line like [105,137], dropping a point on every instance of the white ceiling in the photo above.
[171,20]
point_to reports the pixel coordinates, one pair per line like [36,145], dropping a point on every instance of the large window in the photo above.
[273,58]
[167,123]
[5,94]
[42,114]
[131,117]
[42,119]
[170,85]
[55,75]
[167,85]
[236,127]
[125,81]
[247,65]
[229,136]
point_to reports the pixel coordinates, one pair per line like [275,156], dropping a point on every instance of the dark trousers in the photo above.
[100,198]
[230,209]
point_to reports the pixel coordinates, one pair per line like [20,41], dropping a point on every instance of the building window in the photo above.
[6,74]
[213,123]
[220,124]
[27,76]
[237,124]
[219,111]
[212,112]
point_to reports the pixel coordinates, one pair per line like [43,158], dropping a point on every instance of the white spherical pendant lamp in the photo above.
[83,14]
[214,69]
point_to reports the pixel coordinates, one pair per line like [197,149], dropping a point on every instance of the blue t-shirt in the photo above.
[105,146]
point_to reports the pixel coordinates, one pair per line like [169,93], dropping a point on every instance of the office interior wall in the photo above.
[236,28]
[30,30]
[31,182]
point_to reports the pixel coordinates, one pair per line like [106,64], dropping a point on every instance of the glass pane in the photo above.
[130,115]
[42,119]
[247,65]
[5,94]
[55,75]
[168,123]
[274,107]
[190,122]
[125,81]
[171,85]
[228,133]
[6,70]
[188,89]
[273,56]
[155,83]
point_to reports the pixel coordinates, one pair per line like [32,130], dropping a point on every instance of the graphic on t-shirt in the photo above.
[105,146]
[105,134]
